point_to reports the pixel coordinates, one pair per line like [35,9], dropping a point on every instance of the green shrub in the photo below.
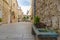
[27,17]
[24,18]
[0,19]
[36,20]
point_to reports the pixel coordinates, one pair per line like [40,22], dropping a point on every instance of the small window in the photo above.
[12,13]
[13,4]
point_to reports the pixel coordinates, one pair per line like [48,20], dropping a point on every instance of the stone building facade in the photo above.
[1,6]
[48,12]
[14,11]
[7,9]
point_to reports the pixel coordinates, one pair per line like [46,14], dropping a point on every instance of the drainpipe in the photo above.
[34,7]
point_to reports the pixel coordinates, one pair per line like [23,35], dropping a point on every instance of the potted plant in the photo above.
[37,23]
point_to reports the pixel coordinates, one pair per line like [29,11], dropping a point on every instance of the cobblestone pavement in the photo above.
[16,31]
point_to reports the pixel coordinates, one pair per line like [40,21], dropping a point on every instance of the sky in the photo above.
[25,5]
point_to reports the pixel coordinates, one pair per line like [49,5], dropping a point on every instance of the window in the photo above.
[13,4]
[12,13]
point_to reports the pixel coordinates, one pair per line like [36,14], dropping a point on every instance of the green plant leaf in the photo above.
[36,20]
[0,19]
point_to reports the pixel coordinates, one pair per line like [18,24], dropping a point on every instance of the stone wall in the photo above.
[48,11]
[9,7]
[1,6]
[6,11]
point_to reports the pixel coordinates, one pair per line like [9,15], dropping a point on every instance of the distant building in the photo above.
[20,14]
[31,14]
[33,9]
[27,18]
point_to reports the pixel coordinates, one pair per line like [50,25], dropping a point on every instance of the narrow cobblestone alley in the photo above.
[16,31]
